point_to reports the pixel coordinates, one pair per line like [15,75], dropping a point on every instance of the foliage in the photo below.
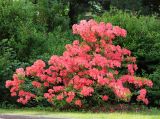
[25,35]
[134,5]
[142,39]
[52,13]
[87,74]
[154,93]
[27,26]
[17,27]
[145,7]
[12,18]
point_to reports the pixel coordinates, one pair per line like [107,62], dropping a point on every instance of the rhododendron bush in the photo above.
[91,71]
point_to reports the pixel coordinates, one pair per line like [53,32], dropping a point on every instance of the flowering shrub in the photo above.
[91,70]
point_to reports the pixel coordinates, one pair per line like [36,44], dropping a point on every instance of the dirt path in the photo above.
[25,117]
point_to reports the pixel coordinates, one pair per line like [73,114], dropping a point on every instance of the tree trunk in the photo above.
[106,4]
[72,13]
[49,22]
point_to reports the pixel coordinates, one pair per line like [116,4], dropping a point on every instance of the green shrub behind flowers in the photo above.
[87,74]
[143,40]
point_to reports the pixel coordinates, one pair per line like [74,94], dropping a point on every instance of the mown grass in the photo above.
[150,114]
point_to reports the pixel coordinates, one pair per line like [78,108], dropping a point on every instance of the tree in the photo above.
[153,5]
[77,7]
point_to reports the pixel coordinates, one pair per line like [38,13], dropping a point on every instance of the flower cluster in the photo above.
[142,96]
[14,85]
[84,68]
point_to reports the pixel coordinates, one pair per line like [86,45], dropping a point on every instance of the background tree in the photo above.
[79,7]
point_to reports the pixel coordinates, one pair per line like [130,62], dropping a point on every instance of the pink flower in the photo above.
[87,91]
[40,64]
[46,84]
[103,81]
[78,103]
[148,83]
[60,97]
[69,99]
[104,97]
[36,84]
[8,83]
[13,94]
[131,69]
[20,72]
[36,69]
[142,96]
[58,88]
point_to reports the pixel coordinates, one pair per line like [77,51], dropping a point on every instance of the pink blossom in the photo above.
[78,103]
[87,91]
[104,97]
[36,84]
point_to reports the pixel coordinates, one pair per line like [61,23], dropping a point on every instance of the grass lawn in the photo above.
[151,114]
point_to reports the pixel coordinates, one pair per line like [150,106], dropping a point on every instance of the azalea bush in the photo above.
[91,71]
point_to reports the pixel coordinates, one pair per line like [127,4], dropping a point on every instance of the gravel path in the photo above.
[25,117]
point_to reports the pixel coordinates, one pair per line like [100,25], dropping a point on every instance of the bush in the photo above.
[51,14]
[15,21]
[17,26]
[24,36]
[154,93]
[88,73]
[142,39]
